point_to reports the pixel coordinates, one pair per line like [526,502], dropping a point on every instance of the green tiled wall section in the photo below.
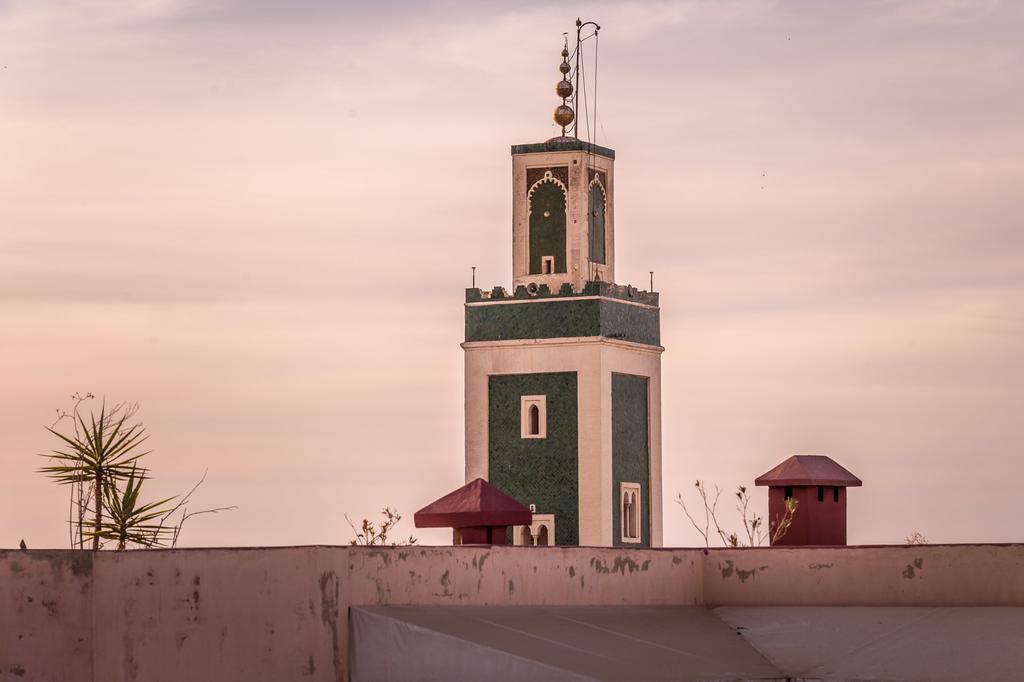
[540,471]
[552,318]
[630,450]
[547,226]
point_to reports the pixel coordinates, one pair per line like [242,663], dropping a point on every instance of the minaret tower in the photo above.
[563,374]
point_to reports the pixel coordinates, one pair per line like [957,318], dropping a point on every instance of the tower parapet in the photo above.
[622,292]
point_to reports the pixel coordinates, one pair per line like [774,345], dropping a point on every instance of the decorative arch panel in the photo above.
[597,204]
[547,224]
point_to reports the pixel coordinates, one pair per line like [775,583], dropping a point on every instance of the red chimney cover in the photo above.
[478,503]
[808,470]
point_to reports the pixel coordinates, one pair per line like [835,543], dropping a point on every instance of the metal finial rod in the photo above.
[565,49]
[474,276]
[564,114]
[576,94]
[652,280]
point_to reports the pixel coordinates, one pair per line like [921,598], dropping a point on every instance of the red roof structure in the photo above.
[808,470]
[478,503]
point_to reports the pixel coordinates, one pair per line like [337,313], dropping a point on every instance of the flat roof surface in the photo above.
[686,643]
[886,642]
[542,644]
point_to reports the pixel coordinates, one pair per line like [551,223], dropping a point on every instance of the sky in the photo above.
[257,220]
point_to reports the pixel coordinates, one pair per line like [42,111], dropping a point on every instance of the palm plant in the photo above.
[130,522]
[97,455]
[100,460]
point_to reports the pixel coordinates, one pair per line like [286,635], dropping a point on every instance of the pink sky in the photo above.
[257,220]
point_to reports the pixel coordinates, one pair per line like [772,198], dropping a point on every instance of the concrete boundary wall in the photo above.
[282,613]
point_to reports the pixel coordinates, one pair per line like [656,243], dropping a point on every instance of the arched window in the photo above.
[632,516]
[542,536]
[625,515]
[630,530]
[533,416]
[547,226]
[595,221]
[527,537]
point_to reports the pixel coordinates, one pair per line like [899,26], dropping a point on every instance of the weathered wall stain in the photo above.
[730,568]
[446,585]
[909,572]
[479,560]
[620,565]
[329,617]
[129,665]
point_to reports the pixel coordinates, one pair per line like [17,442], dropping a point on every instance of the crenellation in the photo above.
[622,292]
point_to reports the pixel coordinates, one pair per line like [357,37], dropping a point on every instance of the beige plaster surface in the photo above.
[912,575]
[268,614]
[46,621]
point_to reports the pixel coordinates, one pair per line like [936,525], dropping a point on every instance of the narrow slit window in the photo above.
[534,416]
[633,531]
[789,492]
[821,493]
[625,516]
[835,494]
[547,265]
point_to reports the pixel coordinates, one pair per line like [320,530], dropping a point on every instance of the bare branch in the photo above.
[782,524]
[753,524]
[703,532]
[371,535]
[185,517]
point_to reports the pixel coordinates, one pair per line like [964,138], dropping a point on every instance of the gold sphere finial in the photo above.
[564,115]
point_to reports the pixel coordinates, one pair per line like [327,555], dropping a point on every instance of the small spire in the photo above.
[564,114]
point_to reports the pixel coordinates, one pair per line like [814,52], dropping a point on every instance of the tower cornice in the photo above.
[563,144]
